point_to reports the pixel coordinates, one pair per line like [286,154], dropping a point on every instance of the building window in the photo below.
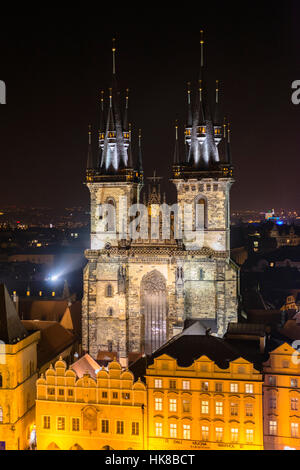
[115,395]
[219,408]
[111,215]
[135,429]
[219,434]
[61,392]
[202,275]
[272,403]
[219,387]
[205,433]
[294,404]
[249,409]
[186,385]
[172,384]
[158,429]
[201,214]
[109,291]
[249,436]
[51,391]
[104,395]
[249,389]
[186,431]
[234,388]
[234,409]
[1,381]
[158,383]
[61,423]
[173,431]
[75,424]
[109,346]
[205,408]
[105,426]
[126,396]
[110,312]
[273,428]
[158,404]
[294,383]
[46,422]
[120,427]
[272,381]
[294,430]
[234,434]
[70,393]
[186,406]
[204,386]
[173,405]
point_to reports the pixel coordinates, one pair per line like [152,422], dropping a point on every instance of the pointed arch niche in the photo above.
[154,308]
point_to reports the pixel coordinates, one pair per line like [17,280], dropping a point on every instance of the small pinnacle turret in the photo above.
[115,160]
[203,133]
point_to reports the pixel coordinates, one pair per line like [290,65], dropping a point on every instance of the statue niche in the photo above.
[154,308]
[89,415]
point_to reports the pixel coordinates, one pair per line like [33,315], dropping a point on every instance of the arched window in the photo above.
[111,215]
[201,213]
[110,312]
[1,415]
[109,291]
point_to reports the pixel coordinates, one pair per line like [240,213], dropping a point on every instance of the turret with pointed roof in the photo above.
[203,134]
[115,162]
[11,328]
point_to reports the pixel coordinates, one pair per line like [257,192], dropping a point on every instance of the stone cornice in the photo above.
[157,252]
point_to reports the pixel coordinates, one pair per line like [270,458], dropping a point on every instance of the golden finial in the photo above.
[217,91]
[176,128]
[202,47]
[114,55]
[201,36]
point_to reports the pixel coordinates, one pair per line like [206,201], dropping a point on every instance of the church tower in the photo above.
[203,179]
[142,286]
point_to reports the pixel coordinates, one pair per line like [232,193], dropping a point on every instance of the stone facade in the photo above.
[200,281]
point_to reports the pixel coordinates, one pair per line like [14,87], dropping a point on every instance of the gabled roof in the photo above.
[55,339]
[11,328]
[86,365]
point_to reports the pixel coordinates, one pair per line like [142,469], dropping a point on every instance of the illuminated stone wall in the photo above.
[209,287]
[18,368]
[70,412]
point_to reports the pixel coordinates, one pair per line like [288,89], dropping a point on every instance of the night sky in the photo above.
[55,67]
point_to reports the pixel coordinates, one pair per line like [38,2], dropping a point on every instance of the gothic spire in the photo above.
[90,160]
[125,124]
[190,113]
[217,110]
[176,153]
[228,145]
[140,160]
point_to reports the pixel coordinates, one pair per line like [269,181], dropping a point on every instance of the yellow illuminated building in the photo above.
[104,412]
[17,393]
[203,406]
[282,399]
